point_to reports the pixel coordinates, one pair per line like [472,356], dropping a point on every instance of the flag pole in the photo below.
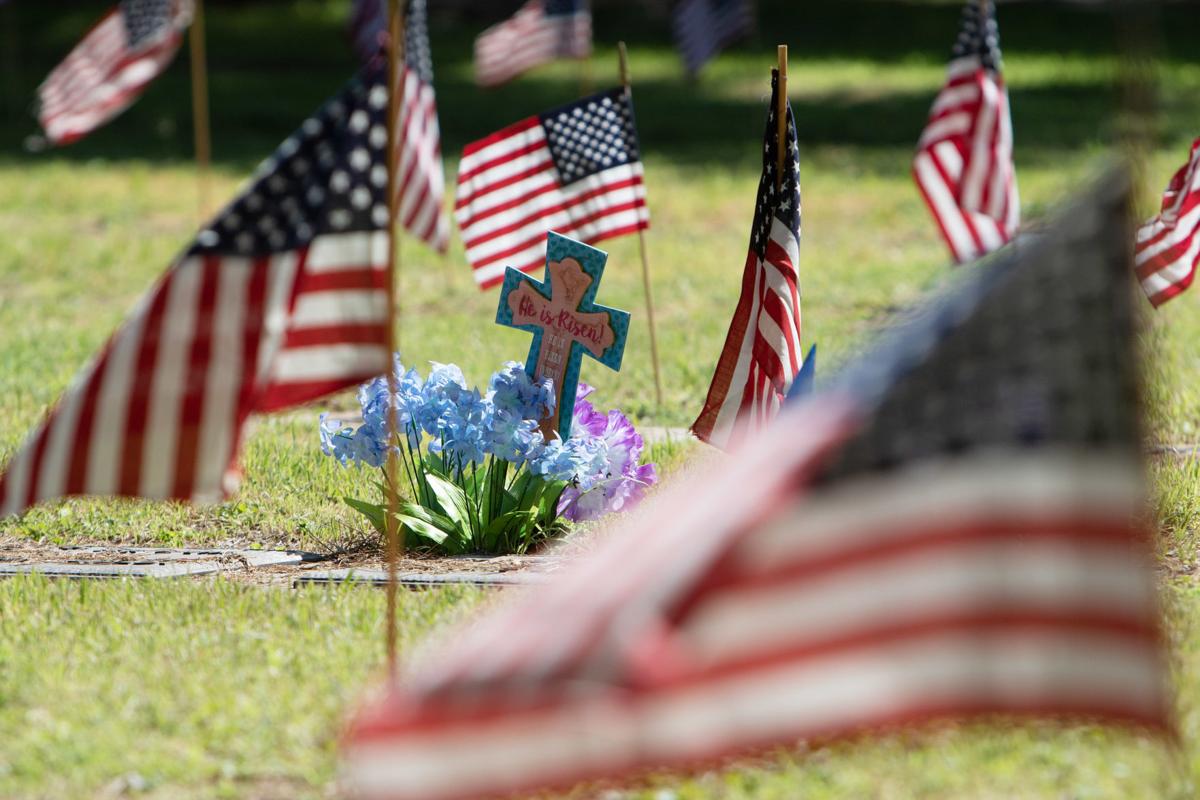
[781,103]
[585,62]
[12,60]
[200,127]
[395,78]
[623,58]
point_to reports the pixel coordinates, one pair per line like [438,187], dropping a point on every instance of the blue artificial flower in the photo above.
[514,394]
[373,399]
[512,439]
[337,439]
[370,446]
[576,460]
[464,427]
[439,396]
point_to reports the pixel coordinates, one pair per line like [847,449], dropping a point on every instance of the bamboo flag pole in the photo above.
[781,104]
[200,126]
[585,62]
[395,78]
[623,57]
[12,59]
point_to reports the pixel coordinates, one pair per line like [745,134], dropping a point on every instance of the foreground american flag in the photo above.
[540,32]
[279,300]
[950,531]
[574,170]
[704,28]
[964,163]
[762,354]
[108,69]
[1168,246]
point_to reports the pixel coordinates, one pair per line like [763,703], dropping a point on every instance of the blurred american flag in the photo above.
[111,66]
[541,31]
[951,530]
[279,300]
[964,163]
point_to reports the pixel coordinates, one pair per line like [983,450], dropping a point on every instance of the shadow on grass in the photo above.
[274,61]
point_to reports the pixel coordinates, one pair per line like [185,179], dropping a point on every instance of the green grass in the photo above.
[216,689]
[208,689]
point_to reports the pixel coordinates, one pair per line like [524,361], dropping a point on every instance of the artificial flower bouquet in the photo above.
[478,475]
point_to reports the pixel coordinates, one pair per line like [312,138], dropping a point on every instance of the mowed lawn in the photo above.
[217,689]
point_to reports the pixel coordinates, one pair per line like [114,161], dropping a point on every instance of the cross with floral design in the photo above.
[565,321]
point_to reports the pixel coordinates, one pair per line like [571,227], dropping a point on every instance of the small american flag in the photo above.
[574,170]
[703,28]
[951,532]
[540,32]
[964,163]
[279,300]
[762,355]
[421,182]
[1168,246]
[111,66]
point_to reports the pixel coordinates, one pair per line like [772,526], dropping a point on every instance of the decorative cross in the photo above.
[565,321]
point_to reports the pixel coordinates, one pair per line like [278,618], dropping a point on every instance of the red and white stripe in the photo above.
[527,40]
[762,352]
[159,413]
[1168,247]
[964,162]
[1023,589]
[102,76]
[510,194]
[420,180]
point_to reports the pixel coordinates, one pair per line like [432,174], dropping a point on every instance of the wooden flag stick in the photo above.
[781,104]
[12,60]
[395,78]
[623,57]
[585,76]
[200,127]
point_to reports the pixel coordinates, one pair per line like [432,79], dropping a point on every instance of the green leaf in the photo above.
[376,514]
[494,498]
[437,528]
[548,502]
[517,495]
[423,528]
[453,501]
[510,523]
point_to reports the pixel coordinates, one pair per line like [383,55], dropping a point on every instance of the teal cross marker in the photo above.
[561,313]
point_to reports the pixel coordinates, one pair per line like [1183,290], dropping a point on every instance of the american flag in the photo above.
[111,66]
[704,28]
[1168,246]
[762,355]
[540,32]
[421,182]
[368,27]
[574,170]
[280,299]
[950,532]
[964,163]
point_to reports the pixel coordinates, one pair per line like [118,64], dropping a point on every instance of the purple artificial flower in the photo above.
[619,481]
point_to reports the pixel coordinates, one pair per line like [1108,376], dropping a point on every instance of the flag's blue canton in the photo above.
[416,41]
[330,176]
[145,18]
[960,375]
[784,205]
[553,8]
[979,35]
[591,135]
